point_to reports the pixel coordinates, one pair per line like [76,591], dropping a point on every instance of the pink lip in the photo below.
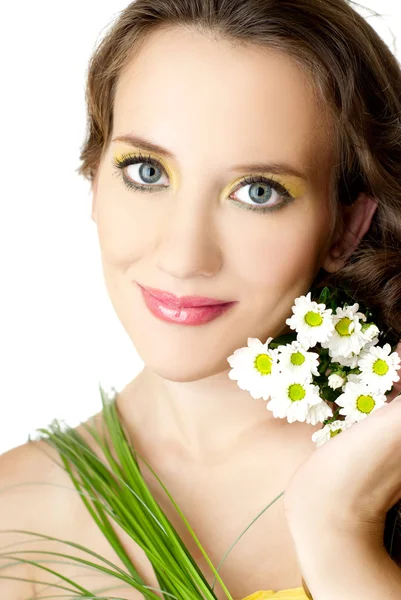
[182,301]
[184,315]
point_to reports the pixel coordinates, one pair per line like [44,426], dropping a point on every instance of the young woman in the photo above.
[240,151]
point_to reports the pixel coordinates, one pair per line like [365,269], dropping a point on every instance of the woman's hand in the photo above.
[348,485]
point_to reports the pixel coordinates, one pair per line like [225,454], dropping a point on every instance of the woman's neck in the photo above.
[205,418]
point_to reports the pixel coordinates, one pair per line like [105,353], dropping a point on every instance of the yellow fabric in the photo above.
[289,594]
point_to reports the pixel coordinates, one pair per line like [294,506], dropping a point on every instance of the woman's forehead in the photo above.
[189,91]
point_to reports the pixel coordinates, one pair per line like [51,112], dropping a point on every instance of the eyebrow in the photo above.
[279,168]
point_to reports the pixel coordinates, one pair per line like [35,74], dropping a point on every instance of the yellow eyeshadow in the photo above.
[121,154]
[295,185]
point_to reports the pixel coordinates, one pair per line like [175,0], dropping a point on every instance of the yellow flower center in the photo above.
[343,326]
[263,364]
[297,358]
[296,392]
[314,319]
[334,432]
[365,404]
[380,367]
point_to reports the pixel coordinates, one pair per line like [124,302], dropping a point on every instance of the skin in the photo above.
[239,105]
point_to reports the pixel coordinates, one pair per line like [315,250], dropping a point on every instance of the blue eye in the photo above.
[261,190]
[149,170]
[145,167]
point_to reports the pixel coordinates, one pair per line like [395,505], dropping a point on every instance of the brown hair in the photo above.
[356,76]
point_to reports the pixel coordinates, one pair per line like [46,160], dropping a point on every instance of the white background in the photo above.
[59,334]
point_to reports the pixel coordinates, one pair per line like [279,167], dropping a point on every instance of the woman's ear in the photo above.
[357,220]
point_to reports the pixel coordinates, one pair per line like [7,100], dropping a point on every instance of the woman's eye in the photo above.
[144,172]
[262,193]
[141,173]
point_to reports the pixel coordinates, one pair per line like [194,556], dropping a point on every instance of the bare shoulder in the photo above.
[33,474]
[36,494]
[35,487]
[21,501]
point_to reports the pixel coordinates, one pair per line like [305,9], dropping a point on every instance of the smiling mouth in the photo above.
[178,302]
[184,315]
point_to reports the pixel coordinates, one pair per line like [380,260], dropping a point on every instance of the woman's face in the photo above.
[215,109]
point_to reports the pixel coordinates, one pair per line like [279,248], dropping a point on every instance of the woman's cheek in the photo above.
[280,254]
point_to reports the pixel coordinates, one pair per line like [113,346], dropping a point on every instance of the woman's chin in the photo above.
[185,369]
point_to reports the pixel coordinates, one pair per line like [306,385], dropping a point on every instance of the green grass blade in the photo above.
[245,530]
[127,578]
[124,448]
[191,531]
[117,490]
[116,546]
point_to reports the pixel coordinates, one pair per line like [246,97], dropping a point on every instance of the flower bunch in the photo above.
[333,356]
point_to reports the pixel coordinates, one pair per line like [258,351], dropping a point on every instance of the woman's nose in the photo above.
[189,241]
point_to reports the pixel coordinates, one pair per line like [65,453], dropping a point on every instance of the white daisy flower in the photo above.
[358,401]
[347,337]
[328,431]
[292,396]
[352,360]
[349,361]
[379,367]
[295,357]
[370,331]
[254,367]
[312,321]
[336,381]
[319,413]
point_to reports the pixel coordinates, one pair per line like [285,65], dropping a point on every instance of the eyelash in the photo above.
[129,159]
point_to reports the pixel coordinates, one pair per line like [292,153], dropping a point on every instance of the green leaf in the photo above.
[324,296]
[284,339]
